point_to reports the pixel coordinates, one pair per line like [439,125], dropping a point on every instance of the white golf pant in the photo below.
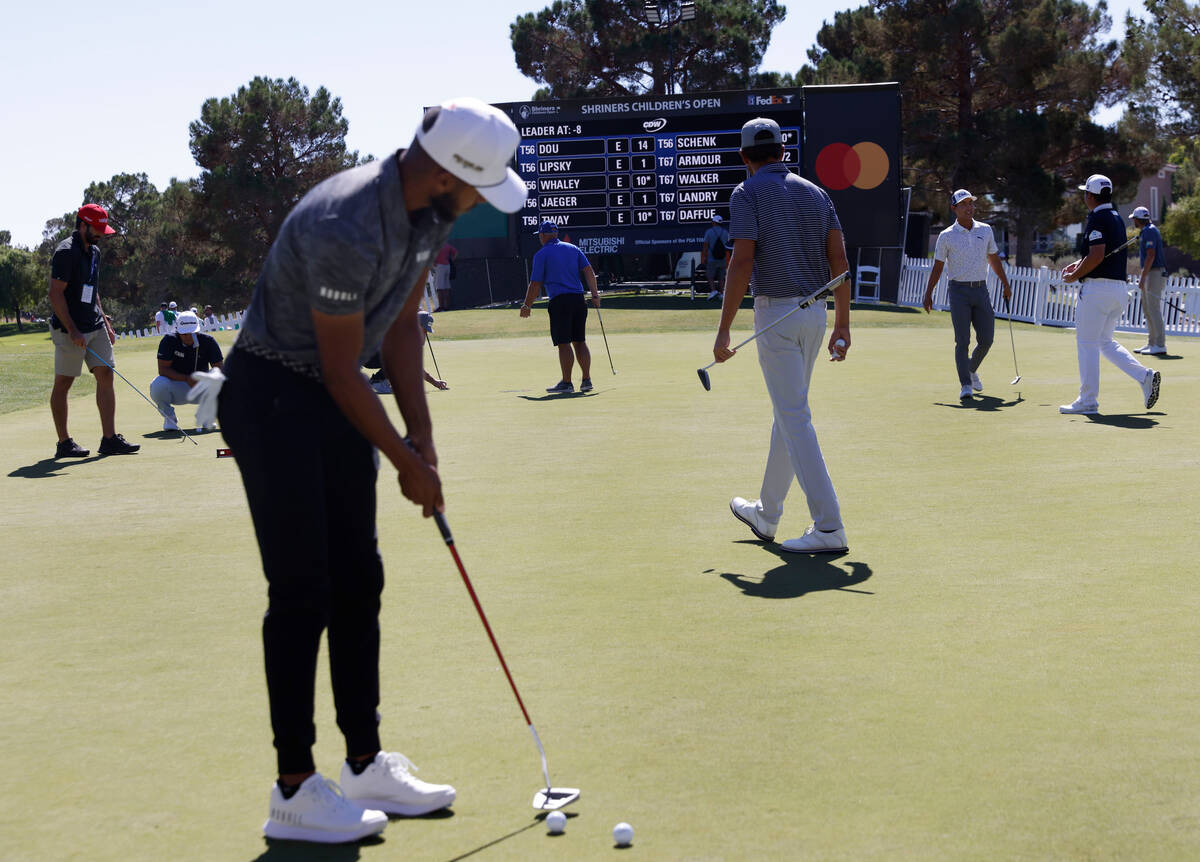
[1101,302]
[166,393]
[787,355]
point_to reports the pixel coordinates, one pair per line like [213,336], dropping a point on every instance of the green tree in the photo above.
[259,151]
[5,238]
[998,96]
[583,48]
[19,281]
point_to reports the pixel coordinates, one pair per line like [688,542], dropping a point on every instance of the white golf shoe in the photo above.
[1150,387]
[170,425]
[1078,406]
[976,383]
[816,542]
[388,784]
[320,812]
[749,512]
[964,393]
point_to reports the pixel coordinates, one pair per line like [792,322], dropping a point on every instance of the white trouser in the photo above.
[165,393]
[787,355]
[1101,302]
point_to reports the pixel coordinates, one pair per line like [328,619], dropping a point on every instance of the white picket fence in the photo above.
[224,321]
[1039,296]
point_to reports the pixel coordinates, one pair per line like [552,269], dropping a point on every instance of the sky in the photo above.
[90,92]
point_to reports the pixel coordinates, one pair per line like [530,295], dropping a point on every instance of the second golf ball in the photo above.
[556,822]
[623,834]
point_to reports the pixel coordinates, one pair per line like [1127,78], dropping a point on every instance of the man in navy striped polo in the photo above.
[787,243]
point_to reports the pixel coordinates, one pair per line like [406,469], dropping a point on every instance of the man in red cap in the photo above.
[80,332]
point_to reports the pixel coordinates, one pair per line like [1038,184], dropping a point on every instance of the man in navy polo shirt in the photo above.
[1152,279]
[180,355]
[787,243]
[1103,296]
[81,332]
[558,265]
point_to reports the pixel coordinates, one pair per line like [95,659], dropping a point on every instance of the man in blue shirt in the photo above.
[558,266]
[1152,280]
[714,251]
[1103,295]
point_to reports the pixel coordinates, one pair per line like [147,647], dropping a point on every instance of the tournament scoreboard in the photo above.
[647,174]
[640,175]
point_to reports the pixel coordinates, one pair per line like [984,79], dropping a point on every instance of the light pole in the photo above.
[669,12]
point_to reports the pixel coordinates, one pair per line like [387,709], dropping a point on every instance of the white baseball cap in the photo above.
[187,322]
[1140,212]
[960,196]
[1096,183]
[717,219]
[475,142]
[172,305]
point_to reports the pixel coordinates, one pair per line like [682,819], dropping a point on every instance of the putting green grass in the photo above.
[1001,668]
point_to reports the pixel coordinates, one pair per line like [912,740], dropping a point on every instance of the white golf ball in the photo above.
[556,822]
[623,834]
[841,342]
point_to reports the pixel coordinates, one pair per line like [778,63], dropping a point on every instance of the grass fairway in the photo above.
[1001,668]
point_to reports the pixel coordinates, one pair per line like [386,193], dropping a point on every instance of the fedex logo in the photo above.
[760,101]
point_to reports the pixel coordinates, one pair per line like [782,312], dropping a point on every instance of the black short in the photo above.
[568,318]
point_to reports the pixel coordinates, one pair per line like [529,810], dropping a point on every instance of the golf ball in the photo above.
[841,342]
[556,822]
[623,834]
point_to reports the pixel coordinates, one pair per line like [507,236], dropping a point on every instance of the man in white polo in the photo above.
[1152,280]
[965,250]
[1103,296]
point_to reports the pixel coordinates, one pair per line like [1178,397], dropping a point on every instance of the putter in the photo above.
[606,350]
[434,358]
[548,798]
[1017,379]
[139,392]
[833,284]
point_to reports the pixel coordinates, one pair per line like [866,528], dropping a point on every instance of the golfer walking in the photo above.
[787,243]
[345,275]
[1103,295]
[561,268]
[1151,280]
[81,333]
[966,249]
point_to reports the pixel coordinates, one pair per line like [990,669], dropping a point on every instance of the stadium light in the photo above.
[669,12]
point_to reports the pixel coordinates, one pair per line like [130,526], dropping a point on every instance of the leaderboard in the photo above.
[641,174]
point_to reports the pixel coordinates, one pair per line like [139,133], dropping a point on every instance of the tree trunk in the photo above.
[19,329]
[1025,233]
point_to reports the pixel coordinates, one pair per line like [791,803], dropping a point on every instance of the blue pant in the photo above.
[971,306]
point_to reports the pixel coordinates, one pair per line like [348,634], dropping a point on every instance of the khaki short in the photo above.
[69,359]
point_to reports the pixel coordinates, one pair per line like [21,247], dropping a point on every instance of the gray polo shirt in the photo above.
[789,219]
[348,246]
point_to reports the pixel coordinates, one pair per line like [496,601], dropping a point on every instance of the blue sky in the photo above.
[92,91]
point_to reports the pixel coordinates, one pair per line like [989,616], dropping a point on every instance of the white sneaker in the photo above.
[749,512]
[976,383]
[965,392]
[388,784]
[713,295]
[1078,406]
[815,542]
[170,425]
[1155,351]
[320,812]
[1143,349]
[210,426]
[1150,387]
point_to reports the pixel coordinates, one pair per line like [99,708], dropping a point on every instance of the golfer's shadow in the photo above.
[801,574]
[48,467]
[559,396]
[982,403]
[1124,420]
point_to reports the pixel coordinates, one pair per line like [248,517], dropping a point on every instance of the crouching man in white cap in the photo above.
[180,355]
[343,277]
[1103,296]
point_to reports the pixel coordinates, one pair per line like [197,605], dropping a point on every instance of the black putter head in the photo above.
[705,382]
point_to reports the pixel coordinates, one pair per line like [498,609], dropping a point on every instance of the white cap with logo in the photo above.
[187,322]
[1096,183]
[475,142]
[960,196]
[1140,212]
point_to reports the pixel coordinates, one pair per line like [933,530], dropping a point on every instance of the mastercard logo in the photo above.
[864,165]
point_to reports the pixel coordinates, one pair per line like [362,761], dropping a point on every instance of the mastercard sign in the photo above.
[863,166]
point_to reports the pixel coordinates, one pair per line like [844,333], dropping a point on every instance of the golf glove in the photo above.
[204,394]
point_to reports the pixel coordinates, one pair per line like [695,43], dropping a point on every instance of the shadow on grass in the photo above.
[982,403]
[48,467]
[537,821]
[801,574]
[1124,421]
[558,396]
[302,851]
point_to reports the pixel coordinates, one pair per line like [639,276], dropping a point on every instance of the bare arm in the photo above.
[1081,268]
[590,275]
[998,268]
[165,370]
[535,289]
[737,282]
[58,301]
[934,275]
[835,251]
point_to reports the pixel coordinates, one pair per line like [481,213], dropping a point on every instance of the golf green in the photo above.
[1002,667]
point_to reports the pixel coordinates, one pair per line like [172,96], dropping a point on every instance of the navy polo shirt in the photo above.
[199,356]
[1106,227]
[80,269]
[557,265]
[1151,238]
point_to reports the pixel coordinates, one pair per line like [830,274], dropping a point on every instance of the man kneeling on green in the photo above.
[558,265]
